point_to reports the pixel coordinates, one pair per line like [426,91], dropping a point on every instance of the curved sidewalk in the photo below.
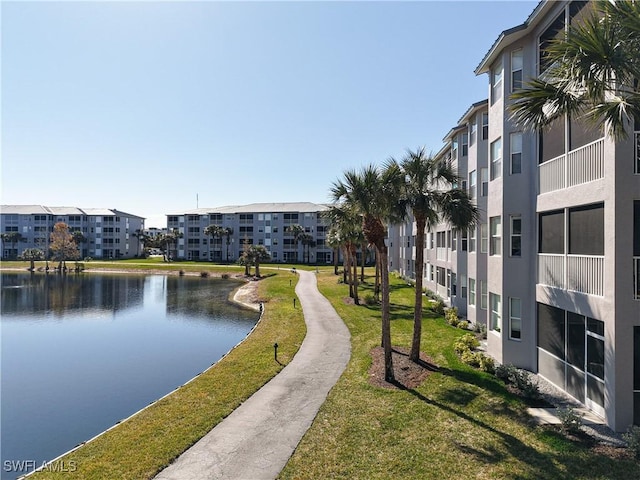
[257,439]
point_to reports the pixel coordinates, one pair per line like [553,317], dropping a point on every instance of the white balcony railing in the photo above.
[578,273]
[582,165]
[551,270]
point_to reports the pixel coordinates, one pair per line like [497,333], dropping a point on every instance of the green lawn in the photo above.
[460,423]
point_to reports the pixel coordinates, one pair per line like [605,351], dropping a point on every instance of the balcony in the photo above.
[577,273]
[579,166]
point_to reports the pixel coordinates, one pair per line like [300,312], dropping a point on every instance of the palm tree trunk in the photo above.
[354,257]
[363,261]
[345,258]
[335,261]
[376,289]
[414,355]
[386,317]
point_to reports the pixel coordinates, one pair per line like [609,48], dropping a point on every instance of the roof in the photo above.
[473,108]
[512,34]
[298,207]
[60,211]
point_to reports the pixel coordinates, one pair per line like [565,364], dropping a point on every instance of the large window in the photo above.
[586,230]
[516,70]
[473,131]
[515,145]
[636,250]
[472,239]
[465,144]
[484,182]
[496,236]
[496,159]
[515,318]
[516,235]
[485,126]
[495,312]
[551,234]
[472,184]
[483,294]
[496,83]
[484,238]
[472,293]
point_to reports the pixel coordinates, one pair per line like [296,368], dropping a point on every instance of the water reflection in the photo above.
[79,353]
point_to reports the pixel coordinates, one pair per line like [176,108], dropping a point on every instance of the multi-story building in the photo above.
[254,224]
[553,268]
[108,233]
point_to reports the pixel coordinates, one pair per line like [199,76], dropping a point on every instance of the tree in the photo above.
[12,238]
[31,255]
[307,241]
[333,240]
[227,232]
[430,193]
[374,193]
[168,239]
[62,246]
[213,231]
[253,255]
[592,75]
[297,231]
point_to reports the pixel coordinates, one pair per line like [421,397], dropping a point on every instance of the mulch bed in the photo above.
[407,374]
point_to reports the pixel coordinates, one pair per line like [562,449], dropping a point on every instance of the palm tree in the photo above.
[297,231]
[259,254]
[213,231]
[169,239]
[12,238]
[593,74]
[307,241]
[333,240]
[373,194]
[31,255]
[346,231]
[227,232]
[429,192]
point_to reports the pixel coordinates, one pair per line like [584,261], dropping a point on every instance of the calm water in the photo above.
[80,353]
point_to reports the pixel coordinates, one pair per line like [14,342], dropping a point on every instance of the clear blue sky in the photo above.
[148,107]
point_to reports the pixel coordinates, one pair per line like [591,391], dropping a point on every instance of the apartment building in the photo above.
[254,224]
[553,268]
[108,233]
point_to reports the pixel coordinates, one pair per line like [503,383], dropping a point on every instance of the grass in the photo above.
[148,442]
[459,423]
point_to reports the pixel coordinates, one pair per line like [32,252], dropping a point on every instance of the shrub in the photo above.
[225,276]
[181,272]
[204,274]
[471,358]
[570,420]
[487,364]
[369,299]
[463,325]
[520,379]
[632,437]
[466,342]
[451,316]
[438,307]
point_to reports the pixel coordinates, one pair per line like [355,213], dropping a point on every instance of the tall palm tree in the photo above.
[297,231]
[346,229]
[213,231]
[430,193]
[593,74]
[227,232]
[374,193]
[12,238]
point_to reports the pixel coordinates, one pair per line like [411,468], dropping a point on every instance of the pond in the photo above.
[82,352]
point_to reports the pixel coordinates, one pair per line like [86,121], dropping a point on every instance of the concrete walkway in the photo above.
[257,439]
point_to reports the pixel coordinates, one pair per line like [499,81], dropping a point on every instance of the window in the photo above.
[464,241]
[636,250]
[454,149]
[495,312]
[586,230]
[472,292]
[496,159]
[516,70]
[515,318]
[516,153]
[472,184]
[463,286]
[495,227]
[516,235]
[484,182]
[465,144]
[551,234]
[454,240]
[473,131]
[485,126]
[496,83]
[472,239]
[484,238]
[431,240]
[483,294]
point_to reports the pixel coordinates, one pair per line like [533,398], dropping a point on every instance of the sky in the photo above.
[158,107]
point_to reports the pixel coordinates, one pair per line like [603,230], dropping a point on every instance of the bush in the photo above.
[204,274]
[520,379]
[570,420]
[466,342]
[225,276]
[181,272]
[438,307]
[487,364]
[451,316]
[463,325]
[481,329]
[632,437]
[369,299]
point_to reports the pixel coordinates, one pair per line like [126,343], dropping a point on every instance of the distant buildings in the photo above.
[254,224]
[108,233]
[553,268]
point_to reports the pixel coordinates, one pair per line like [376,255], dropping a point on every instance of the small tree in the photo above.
[62,246]
[31,255]
[259,254]
[12,238]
